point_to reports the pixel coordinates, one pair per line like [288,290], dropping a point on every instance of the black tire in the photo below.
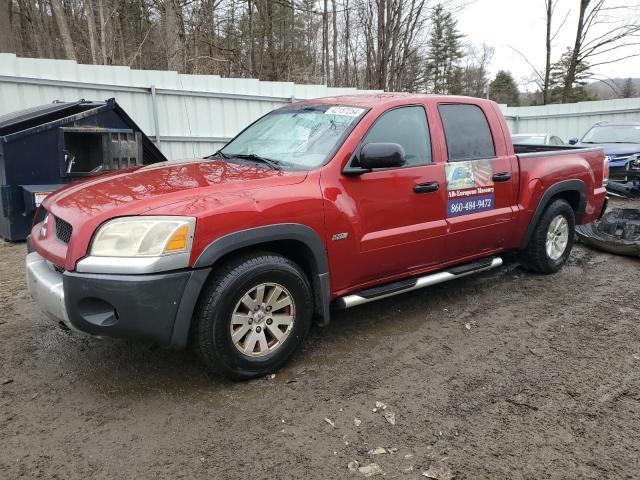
[212,339]
[534,256]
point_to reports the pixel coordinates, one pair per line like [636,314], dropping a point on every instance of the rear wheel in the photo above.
[253,315]
[552,239]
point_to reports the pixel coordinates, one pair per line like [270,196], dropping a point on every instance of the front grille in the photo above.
[63,230]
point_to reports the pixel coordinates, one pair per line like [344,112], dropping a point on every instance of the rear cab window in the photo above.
[467,132]
[470,154]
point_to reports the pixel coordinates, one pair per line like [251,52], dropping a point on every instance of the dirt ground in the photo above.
[506,374]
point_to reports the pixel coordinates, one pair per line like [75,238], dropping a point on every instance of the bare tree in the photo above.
[6,38]
[601,29]
[91,29]
[61,19]
[174,31]
[103,32]
[325,42]
[550,7]
[334,17]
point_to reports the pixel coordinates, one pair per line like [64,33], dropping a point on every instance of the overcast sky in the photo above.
[520,24]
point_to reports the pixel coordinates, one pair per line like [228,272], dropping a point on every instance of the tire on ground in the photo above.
[534,256]
[211,337]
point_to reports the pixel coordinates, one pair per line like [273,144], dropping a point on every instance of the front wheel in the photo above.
[552,239]
[254,314]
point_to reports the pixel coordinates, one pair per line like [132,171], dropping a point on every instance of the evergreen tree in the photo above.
[503,89]
[559,72]
[444,49]
[628,90]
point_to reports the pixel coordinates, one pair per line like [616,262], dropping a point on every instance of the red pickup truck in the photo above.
[321,204]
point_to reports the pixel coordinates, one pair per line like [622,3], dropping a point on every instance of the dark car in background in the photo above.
[621,144]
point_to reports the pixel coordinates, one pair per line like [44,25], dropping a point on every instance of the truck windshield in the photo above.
[296,137]
[613,134]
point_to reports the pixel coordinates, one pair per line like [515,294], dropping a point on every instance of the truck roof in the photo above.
[378,99]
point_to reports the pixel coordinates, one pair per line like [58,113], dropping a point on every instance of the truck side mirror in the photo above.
[382,155]
[573,141]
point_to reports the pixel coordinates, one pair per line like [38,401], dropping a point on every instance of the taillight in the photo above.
[605,171]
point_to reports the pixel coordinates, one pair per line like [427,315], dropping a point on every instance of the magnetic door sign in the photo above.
[469,187]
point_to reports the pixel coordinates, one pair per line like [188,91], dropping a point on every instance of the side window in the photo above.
[408,127]
[467,132]
[556,141]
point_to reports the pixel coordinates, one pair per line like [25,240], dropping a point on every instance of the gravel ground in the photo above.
[506,374]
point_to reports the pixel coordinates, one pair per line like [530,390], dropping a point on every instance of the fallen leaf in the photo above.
[438,473]
[377,451]
[390,417]
[370,470]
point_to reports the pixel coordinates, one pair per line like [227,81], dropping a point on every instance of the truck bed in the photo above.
[528,150]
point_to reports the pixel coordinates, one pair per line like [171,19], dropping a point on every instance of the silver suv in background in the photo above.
[536,139]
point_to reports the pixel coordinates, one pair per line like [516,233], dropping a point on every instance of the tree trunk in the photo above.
[252,48]
[272,71]
[63,27]
[6,37]
[325,43]
[174,34]
[44,43]
[91,27]
[547,67]
[335,42]
[347,41]
[103,32]
[573,63]
[381,60]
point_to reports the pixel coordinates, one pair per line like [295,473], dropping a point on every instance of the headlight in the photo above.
[144,237]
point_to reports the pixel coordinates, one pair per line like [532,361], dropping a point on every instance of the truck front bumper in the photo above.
[45,286]
[156,307]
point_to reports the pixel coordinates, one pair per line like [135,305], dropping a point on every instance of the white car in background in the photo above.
[536,139]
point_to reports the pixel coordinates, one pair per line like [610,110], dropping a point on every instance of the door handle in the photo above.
[501,177]
[426,187]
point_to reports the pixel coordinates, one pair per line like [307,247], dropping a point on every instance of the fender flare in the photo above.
[271,233]
[562,186]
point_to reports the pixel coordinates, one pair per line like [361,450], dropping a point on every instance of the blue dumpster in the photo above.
[46,147]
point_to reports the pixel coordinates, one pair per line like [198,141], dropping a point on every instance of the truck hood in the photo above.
[136,191]
[615,148]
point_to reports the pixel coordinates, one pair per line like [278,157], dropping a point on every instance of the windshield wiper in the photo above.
[220,154]
[274,164]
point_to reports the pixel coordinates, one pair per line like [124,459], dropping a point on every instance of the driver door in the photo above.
[397,213]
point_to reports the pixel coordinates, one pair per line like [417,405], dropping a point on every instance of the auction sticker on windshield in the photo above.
[345,111]
[470,187]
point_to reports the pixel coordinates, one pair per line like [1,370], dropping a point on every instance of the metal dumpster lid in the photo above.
[14,118]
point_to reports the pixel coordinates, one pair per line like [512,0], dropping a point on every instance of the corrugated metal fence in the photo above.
[193,114]
[572,120]
[196,114]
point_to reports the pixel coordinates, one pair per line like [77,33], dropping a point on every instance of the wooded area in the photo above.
[397,45]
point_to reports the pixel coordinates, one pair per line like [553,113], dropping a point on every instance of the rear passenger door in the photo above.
[480,192]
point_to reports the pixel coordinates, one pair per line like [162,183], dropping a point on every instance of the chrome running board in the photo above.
[403,286]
